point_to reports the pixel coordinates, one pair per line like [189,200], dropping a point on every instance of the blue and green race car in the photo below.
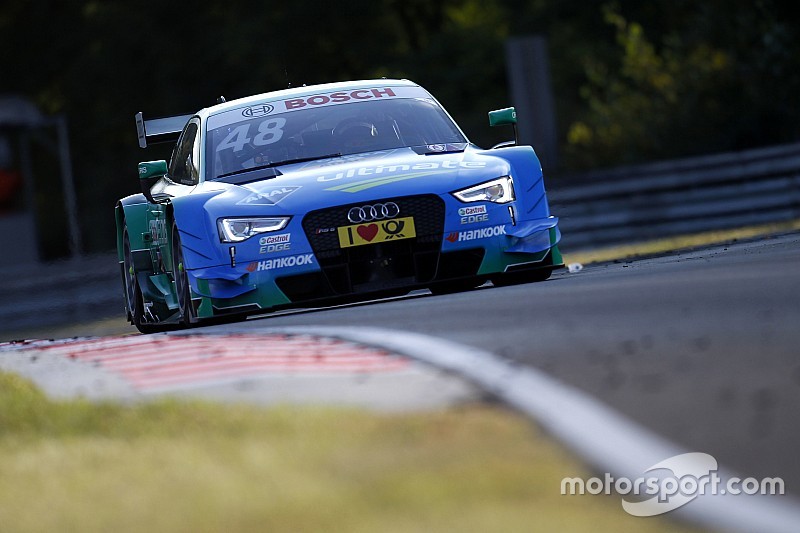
[323,194]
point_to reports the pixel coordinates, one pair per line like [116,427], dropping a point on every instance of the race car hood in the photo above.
[342,180]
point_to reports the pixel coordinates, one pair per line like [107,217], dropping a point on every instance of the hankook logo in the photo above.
[370,213]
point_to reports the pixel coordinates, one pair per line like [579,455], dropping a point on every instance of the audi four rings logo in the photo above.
[369,213]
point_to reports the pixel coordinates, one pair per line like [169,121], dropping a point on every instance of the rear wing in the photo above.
[160,130]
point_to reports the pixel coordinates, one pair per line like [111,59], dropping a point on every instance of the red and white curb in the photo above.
[153,362]
[274,368]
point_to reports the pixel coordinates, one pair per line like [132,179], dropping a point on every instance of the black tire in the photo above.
[517,278]
[182,287]
[133,292]
[526,276]
[458,285]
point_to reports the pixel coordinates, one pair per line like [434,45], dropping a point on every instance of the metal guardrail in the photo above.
[78,290]
[600,208]
[683,196]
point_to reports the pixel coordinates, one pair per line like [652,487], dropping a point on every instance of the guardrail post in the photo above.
[70,199]
[532,96]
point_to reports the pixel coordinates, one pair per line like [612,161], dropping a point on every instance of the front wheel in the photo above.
[516,278]
[458,285]
[182,287]
[526,276]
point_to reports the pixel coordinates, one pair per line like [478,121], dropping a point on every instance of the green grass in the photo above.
[191,466]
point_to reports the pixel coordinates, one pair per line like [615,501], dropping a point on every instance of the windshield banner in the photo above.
[342,96]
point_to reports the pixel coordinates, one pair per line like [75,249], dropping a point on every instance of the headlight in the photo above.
[499,191]
[239,229]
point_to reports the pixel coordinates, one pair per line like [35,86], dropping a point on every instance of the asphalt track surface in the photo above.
[701,347]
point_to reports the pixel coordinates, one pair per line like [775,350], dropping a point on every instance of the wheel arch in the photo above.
[131,212]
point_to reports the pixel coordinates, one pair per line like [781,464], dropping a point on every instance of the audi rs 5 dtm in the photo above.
[325,193]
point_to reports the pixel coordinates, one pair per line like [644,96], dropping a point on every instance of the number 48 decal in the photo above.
[269,131]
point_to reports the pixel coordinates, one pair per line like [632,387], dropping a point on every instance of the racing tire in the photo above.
[526,276]
[518,278]
[457,285]
[133,292]
[182,288]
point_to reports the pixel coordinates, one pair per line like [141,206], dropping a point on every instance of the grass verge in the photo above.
[680,242]
[190,466]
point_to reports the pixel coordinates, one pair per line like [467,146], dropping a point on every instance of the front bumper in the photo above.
[450,243]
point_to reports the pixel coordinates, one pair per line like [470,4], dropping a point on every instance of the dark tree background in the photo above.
[634,81]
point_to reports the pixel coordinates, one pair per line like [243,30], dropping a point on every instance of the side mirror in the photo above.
[504,117]
[150,172]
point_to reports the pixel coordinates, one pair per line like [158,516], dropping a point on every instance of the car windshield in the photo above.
[326,131]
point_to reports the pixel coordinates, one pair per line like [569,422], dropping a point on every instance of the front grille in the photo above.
[428,212]
[380,266]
